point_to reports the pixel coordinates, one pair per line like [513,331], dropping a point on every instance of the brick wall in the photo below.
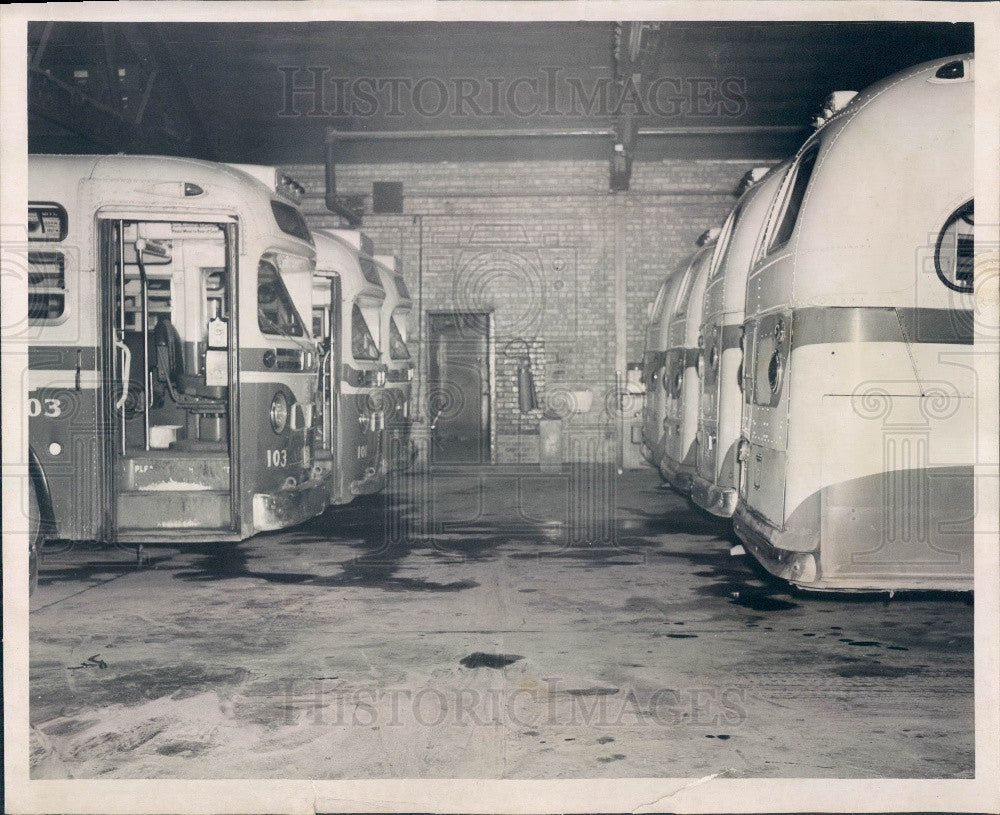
[534,242]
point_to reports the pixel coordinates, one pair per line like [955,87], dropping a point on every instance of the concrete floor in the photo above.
[495,641]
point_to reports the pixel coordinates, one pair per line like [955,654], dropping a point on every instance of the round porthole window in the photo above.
[954,253]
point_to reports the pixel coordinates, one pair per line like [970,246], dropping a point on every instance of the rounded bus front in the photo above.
[172,374]
[858,438]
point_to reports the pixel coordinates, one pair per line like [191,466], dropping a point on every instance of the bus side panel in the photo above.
[273,464]
[715,488]
[708,407]
[674,383]
[398,422]
[361,452]
[687,451]
[651,400]
[64,435]
[764,479]
[910,514]
[729,414]
[708,399]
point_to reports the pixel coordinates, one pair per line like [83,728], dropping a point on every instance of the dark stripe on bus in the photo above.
[62,358]
[731,336]
[359,378]
[812,326]
[284,360]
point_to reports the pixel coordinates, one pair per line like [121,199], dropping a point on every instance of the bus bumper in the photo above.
[290,506]
[720,501]
[678,475]
[402,448]
[764,542]
[839,549]
[371,482]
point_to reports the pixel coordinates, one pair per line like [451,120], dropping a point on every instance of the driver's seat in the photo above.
[184,390]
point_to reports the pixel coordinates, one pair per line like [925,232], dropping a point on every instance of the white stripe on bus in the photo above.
[47,378]
[44,378]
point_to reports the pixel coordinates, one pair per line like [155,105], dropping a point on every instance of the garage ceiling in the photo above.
[216,90]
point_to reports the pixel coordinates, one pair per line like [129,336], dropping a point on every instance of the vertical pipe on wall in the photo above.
[621,336]
[621,327]
[417,386]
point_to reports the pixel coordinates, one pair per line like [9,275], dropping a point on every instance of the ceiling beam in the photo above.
[97,113]
[635,43]
[147,44]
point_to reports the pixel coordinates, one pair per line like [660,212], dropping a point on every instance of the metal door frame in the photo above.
[110,244]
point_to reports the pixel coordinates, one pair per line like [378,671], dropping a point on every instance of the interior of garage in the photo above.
[526,217]
[504,608]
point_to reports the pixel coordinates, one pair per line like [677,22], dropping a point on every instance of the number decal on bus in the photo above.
[277,458]
[44,407]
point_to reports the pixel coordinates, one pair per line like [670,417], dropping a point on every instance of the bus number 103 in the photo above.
[277,458]
[44,407]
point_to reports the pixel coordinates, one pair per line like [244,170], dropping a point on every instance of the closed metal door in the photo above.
[458,396]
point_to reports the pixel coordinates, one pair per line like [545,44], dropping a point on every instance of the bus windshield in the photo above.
[362,344]
[275,312]
[397,345]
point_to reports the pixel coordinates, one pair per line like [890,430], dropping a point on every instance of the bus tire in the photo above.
[35,534]
[41,518]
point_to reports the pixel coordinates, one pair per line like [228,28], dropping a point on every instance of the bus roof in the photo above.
[47,168]
[691,297]
[741,240]
[909,139]
[335,255]
[397,295]
[667,307]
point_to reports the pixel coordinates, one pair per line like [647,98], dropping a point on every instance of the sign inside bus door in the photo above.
[216,359]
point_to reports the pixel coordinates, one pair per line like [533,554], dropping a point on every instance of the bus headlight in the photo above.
[279,412]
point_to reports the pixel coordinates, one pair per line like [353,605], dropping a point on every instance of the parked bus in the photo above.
[680,422]
[859,416]
[347,307]
[653,361]
[172,380]
[714,487]
[395,340]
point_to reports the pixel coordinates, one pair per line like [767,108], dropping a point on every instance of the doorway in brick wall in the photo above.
[460,386]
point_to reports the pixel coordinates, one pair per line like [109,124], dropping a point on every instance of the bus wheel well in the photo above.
[47,520]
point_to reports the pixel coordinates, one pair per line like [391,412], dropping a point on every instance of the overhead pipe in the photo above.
[332,202]
[333,136]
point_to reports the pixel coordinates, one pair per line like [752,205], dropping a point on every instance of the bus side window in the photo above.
[319,324]
[793,203]
[46,286]
[275,312]
[47,223]
[363,345]
[397,345]
[725,242]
